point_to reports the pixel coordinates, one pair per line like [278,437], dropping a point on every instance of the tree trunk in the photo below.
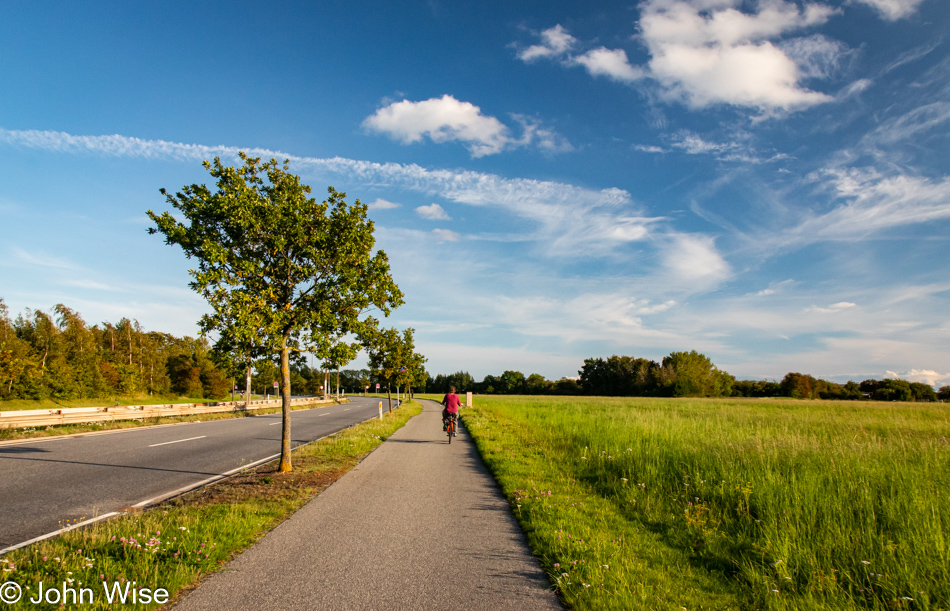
[389,394]
[247,390]
[337,383]
[285,466]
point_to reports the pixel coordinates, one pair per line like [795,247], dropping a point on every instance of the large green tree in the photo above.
[278,268]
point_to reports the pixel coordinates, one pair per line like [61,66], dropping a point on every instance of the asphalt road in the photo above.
[48,484]
[418,524]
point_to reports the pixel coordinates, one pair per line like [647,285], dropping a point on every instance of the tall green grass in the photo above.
[726,504]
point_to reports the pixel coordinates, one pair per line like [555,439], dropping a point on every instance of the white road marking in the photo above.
[323,415]
[178,441]
[274,423]
[57,532]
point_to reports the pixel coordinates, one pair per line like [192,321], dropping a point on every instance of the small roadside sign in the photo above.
[275,384]
[377,385]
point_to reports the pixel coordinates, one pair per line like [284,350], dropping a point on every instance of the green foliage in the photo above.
[281,272]
[511,383]
[694,375]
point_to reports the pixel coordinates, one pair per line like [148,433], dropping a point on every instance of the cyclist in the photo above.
[451,410]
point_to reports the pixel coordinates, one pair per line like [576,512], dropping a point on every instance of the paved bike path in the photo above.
[382,537]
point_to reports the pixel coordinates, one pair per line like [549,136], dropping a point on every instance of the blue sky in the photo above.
[765,182]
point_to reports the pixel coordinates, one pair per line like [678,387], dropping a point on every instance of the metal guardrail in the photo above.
[77,415]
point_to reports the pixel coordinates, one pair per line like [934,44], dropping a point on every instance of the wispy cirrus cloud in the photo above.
[570,221]
[835,307]
[872,203]
[43,260]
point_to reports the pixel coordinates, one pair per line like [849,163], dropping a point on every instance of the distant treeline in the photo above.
[803,386]
[682,374]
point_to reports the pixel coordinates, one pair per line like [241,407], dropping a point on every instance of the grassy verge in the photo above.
[175,545]
[94,427]
[724,504]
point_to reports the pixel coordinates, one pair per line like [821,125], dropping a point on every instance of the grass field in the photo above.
[727,504]
[175,545]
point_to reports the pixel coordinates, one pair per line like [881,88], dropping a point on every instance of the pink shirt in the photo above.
[451,403]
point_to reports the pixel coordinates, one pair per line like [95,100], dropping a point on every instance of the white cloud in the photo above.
[446,119]
[649,148]
[554,42]
[925,376]
[382,204]
[612,63]
[694,259]
[707,52]
[857,87]
[445,235]
[656,309]
[893,10]
[441,120]
[835,307]
[433,212]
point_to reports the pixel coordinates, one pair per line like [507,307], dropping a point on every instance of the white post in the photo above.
[468,399]
[380,410]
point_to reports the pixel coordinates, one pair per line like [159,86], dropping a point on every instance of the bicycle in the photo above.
[450,428]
